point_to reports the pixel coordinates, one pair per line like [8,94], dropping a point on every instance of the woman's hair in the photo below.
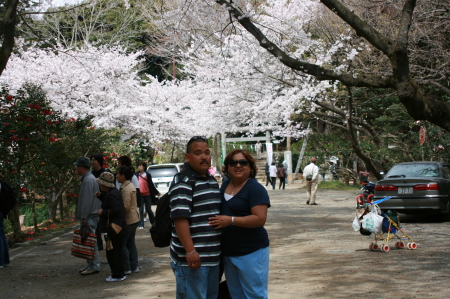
[251,161]
[126,172]
[143,163]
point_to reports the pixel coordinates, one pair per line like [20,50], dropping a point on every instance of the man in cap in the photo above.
[87,208]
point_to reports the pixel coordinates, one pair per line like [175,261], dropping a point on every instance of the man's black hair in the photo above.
[195,139]
[98,158]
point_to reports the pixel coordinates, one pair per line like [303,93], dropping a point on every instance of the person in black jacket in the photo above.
[148,193]
[112,211]
[5,207]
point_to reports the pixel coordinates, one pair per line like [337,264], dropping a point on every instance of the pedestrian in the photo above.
[195,247]
[130,254]
[112,211]
[87,207]
[332,171]
[245,242]
[266,167]
[258,147]
[97,170]
[311,174]
[281,174]
[7,202]
[322,171]
[148,193]
[273,175]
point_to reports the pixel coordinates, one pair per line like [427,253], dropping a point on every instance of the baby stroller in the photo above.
[385,226]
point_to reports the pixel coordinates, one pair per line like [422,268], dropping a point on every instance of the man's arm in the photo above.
[184,235]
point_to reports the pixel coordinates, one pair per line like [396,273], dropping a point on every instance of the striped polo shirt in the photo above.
[206,203]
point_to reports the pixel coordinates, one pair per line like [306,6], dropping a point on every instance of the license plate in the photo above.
[405,190]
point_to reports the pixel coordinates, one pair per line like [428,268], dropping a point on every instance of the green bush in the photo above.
[8,227]
[41,213]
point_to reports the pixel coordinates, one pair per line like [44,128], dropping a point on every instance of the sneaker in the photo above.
[89,271]
[136,270]
[112,279]
[141,227]
[145,219]
[83,269]
[127,272]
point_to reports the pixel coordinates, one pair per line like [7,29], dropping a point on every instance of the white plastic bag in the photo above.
[356,224]
[372,221]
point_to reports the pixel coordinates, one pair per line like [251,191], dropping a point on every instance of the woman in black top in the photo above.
[112,211]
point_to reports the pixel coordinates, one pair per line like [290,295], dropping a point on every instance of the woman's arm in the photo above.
[256,219]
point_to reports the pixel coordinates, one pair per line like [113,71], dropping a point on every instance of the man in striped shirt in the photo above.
[195,245]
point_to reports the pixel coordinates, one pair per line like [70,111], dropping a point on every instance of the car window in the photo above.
[446,171]
[414,170]
[163,172]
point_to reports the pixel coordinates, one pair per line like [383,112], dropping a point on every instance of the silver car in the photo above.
[162,175]
[414,187]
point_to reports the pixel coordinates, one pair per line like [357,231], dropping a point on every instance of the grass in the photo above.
[338,185]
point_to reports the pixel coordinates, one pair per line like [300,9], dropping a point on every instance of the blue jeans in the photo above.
[4,249]
[94,264]
[248,275]
[148,208]
[200,283]
[129,250]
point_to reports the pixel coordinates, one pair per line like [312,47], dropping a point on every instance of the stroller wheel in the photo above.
[412,246]
[373,246]
[385,248]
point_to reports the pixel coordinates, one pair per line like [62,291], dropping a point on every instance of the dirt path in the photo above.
[314,254]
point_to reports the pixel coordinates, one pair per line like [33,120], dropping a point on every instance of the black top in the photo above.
[238,241]
[97,173]
[112,203]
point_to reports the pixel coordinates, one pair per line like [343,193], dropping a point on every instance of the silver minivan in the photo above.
[162,175]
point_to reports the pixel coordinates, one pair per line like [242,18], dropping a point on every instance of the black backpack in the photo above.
[161,230]
[8,198]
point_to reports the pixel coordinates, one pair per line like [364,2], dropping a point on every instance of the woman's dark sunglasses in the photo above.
[234,163]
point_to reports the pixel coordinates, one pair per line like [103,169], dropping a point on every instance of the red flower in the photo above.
[48,122]
[37,107]
[9,97]
[75,195]
[57,122]
[73,119]
[52,139]
[6,124]
[24,189]
[14,138]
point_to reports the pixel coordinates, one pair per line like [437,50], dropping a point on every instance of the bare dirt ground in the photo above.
[314,254]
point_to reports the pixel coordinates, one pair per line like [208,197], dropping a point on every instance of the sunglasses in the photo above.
[234,163]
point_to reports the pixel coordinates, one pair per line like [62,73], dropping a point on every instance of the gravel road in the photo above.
[314,254]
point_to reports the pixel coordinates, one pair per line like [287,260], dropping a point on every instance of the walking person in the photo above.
[112,211]
[130,254]
[273,175]
[148,193]
[311,174]
[266,168]
[195,245]
[258,147]
[87,208]
[281,174]
[245,242]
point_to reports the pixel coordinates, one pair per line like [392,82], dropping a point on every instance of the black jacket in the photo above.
[151,186]
[112,203]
